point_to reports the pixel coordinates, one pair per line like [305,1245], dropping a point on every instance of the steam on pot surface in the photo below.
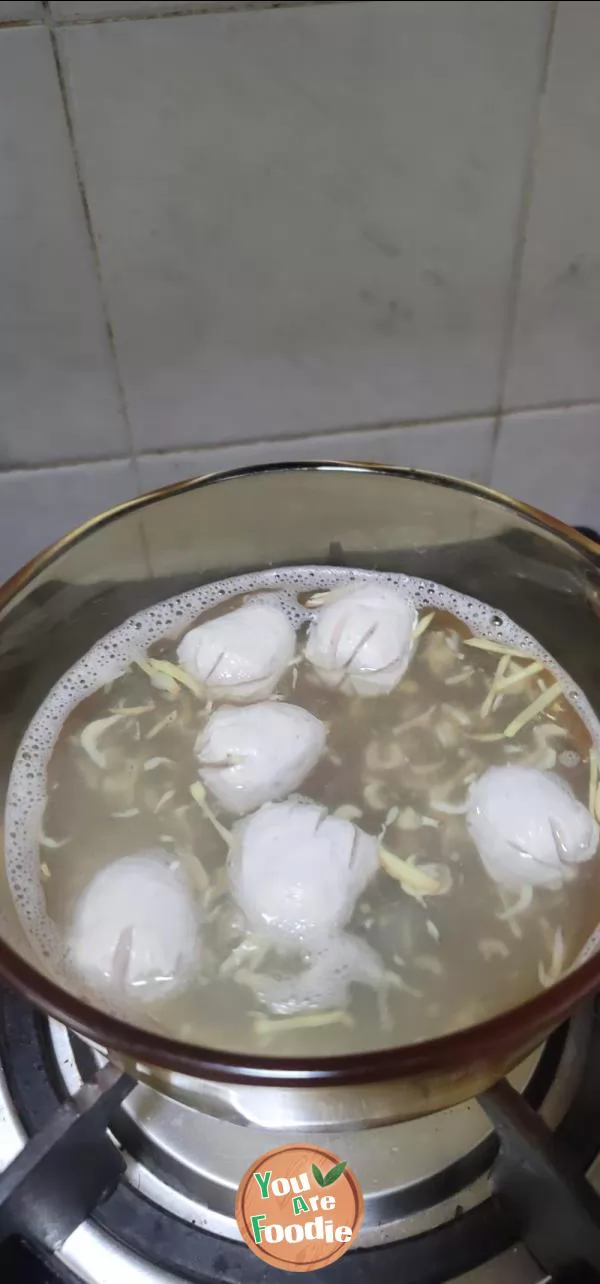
[309,812]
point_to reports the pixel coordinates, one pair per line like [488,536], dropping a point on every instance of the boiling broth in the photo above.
[108,769]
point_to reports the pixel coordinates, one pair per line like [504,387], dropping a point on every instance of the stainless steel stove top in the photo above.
[413,1175]
[430,1217]
[93,1256]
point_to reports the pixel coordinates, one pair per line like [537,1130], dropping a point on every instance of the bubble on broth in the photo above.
[110,657]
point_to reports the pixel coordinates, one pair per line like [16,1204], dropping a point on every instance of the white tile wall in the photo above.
[552,459]
[37,506]
[306,216]
[58,396]
[20,11]
[463,448]
[557,337]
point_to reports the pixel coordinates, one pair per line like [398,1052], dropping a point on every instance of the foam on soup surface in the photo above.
[405,847]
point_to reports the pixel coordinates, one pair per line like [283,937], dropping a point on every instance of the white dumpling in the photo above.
[134,932]
[362,639]
[258,753]
[242,655]
[297,872]
[325,979]
[528,826]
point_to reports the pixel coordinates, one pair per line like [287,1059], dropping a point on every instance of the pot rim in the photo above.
[510,1030]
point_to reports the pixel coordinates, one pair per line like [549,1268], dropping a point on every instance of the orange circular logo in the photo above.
[299,1208]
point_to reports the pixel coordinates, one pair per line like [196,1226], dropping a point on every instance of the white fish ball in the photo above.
[362,639]
[528,826]
[297,872]
[134,931]
[258,753]
[242,655]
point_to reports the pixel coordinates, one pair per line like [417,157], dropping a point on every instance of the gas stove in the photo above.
[453,1198]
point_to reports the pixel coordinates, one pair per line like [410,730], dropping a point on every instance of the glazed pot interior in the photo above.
[539,572]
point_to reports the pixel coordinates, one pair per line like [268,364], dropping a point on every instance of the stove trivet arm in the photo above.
[555,1206]
[66,1169]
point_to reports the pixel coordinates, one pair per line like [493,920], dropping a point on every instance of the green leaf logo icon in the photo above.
[329,1178]
[334,1173]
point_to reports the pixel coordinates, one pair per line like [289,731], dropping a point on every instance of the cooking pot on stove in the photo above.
[540,572]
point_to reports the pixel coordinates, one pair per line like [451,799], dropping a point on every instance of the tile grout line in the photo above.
[489,465]
[53,465]
[386,426]
[524,211]
[307,440]
[316,435]
[186,11]
[87,215]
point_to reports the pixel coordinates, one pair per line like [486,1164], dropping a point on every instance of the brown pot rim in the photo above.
[507,1032]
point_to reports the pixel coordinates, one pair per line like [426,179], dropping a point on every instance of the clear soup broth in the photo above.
[213,935]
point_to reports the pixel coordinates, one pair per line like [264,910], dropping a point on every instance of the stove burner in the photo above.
[431,1213]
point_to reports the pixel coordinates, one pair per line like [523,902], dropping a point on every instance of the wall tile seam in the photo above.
[187,11]
[529,174]
[310,439]
[86,214]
